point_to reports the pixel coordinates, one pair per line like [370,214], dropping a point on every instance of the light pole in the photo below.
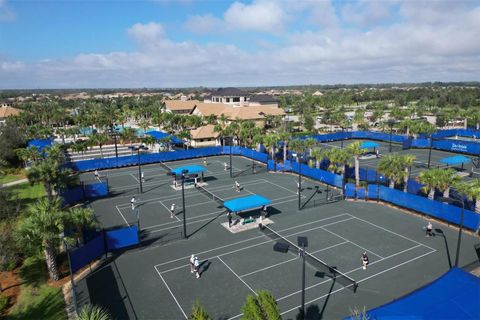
[390,124]
[299,182]
[184,172]
[138,149]
[460,229]
[283,248]
[430,150]
[114,133]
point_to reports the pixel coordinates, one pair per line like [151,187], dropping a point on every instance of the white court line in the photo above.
[377,226]
[236,275]
[350,271]
[364,279]
[192,193]
[119,211]
[355,244]
[133,176]
[197,221]
[206,214]
[173,296]
[216,173]
[292,259]
[247,240]
[244,248]
[281,187]
[168,210]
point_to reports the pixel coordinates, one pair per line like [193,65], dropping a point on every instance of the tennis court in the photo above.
[421,162]
[154,280]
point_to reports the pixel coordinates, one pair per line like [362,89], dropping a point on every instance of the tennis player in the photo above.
[365,260]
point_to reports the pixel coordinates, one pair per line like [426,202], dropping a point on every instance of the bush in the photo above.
[92,312]
[199,313]
[9,254]
[9,206]
[3,303]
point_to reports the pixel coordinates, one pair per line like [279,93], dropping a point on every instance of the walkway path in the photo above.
[9,184]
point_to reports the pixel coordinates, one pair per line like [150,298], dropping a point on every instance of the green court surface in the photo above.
[153,280]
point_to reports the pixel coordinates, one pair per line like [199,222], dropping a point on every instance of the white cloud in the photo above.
[409,50]
[203,24]
[145,33]
[264,16]
[367,13]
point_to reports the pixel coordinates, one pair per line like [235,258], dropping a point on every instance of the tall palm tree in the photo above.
[270,141]
[285,137]
[448,178]
[355,151]
[81,218]
[318,154]
[221,128]
[148,140]
[128,135]
[299,147]
[339,158]
[391,166]
[472,190]
[407,162]
[185,136]
[49,173]
[431,178]
[98,140]
[42,228]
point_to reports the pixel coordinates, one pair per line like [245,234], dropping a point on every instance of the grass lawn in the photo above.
[37,299]
[26,192]
[11,177]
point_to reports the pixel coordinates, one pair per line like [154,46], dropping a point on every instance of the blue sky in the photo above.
[72,44]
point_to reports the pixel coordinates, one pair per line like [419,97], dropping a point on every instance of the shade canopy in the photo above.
[191,168]
[369,145]
[246,203]
[455,160]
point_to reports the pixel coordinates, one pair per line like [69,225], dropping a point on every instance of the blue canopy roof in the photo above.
[455,160]
[159,135]
[192,169]
[40,144]
[369,145]
[246,203]
[454,295]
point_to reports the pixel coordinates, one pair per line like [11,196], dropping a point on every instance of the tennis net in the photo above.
[318,264]
[164,166]
[209,194]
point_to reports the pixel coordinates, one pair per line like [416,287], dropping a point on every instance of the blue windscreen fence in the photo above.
[349,190]
[84,192]
[470,133]
[105,241]
[249,153]
[469,147]
[317,174]
[91,251]
[442,211]
[122,238]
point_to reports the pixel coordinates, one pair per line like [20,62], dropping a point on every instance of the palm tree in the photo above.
[257,140]
[42,228]
[407,161]
[148,140]
[391,166]
[472,190]
[448,178]
[49,172]
[93,312]
[81,218]
[356,150]
[285,137]
[299,147]
[339,158]
[128,135]
[185,136]
[98,140]
[431,178]
[270,141]
[318,154]
[221,128]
